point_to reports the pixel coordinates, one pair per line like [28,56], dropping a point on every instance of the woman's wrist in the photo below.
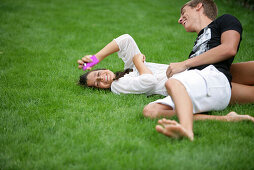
[91,64]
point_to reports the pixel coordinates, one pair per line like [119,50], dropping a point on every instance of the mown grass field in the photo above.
[48,122]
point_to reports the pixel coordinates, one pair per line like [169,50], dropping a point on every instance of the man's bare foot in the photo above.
[173,129]
[233,116]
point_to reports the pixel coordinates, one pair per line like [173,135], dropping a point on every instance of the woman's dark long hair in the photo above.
[119,74]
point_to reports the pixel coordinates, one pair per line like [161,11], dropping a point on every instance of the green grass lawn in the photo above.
[48,122]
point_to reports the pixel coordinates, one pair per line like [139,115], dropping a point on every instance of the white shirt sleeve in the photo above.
[144,83]
[127,49]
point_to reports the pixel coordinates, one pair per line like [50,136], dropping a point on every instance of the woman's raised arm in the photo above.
[110,48]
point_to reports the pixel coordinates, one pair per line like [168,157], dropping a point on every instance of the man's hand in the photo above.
[85,59]
[174,68]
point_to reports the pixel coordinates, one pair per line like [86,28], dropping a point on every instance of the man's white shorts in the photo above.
[208,89]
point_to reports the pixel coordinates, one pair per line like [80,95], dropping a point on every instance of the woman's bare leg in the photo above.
[243,73]
[242,83]
[241,94]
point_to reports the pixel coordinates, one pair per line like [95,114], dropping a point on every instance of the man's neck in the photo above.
[204,22]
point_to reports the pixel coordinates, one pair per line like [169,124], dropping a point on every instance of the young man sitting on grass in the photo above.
[202,82]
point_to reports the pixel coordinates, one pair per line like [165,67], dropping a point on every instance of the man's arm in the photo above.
[227,49]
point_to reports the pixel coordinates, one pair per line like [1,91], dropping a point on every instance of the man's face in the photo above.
[187,18]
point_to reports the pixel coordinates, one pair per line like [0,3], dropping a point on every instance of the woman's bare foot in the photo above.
[233,116]
[173,129]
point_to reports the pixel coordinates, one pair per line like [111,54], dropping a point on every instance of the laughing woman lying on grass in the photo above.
[140,77]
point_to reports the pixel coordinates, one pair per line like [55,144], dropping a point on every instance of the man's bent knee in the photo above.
[172,84]
[150,111]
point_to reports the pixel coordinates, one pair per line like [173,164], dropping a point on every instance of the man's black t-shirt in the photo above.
[210,37]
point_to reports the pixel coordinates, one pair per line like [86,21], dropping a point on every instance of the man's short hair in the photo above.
[210,8]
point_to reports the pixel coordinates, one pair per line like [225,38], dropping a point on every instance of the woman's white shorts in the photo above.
[208,89]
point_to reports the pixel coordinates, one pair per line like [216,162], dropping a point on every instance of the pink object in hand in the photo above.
[91,64]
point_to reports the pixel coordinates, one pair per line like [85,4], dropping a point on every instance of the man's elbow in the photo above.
[230,51]
[233,52]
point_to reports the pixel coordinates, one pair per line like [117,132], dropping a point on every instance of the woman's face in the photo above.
[100,79]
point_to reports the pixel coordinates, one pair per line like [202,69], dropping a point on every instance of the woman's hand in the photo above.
[85,59]
[139,57]
[138,61]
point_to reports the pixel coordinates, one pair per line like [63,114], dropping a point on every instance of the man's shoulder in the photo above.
[228,22]
[226,17]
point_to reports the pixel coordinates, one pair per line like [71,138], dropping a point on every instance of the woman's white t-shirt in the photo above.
[133,82]
[148,84]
